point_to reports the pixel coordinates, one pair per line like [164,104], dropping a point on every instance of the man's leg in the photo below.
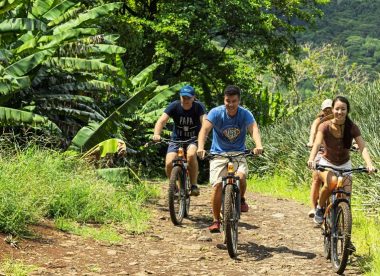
[216,204]
[170,156]
[217,169]
[243,188]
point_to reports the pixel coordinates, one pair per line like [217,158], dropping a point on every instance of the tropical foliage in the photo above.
[54,63]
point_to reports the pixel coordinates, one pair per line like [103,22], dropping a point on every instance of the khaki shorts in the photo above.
[218,168]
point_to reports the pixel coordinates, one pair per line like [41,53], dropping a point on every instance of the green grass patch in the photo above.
[36,184]
[16,268]
[365,230]
[279,186]
[104,233]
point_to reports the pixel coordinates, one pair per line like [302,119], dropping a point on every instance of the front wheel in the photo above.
[341,238]
[177,196]
[230,217]
[327,237]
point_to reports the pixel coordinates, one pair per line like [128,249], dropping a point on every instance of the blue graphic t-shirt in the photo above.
[186,122]
[229,132]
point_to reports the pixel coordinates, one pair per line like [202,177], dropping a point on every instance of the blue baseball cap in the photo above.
[187,91]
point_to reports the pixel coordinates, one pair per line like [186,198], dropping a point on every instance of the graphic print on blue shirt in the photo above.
[186,122]
[229,132]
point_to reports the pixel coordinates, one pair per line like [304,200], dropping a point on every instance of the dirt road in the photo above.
[276,238]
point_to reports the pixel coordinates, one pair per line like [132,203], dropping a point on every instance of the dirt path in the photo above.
[276,238]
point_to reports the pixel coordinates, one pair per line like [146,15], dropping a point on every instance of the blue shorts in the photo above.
[173,147]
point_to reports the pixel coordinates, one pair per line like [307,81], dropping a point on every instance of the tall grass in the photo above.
[36,184]
[285,149]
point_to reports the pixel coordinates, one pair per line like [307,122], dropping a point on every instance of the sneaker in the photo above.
[243,206]
[351,248]
[311,213]
[318,217]
[215,227]
[194,190]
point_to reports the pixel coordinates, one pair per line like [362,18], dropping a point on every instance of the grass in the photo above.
[365,231]
[15,268]
[36,184]
[104,233]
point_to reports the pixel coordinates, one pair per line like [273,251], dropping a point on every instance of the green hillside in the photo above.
[353,24]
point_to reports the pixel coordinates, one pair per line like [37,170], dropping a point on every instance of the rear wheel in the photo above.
[340,240]
[177,196]
[231,220]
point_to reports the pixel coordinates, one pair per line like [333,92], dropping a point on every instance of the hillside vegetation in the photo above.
[353,24]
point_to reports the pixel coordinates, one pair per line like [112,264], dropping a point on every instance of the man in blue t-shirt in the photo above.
[230,123]
[188,115]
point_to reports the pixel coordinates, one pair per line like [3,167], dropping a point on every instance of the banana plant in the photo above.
[50,51]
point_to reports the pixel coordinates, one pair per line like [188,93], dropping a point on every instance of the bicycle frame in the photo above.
[338,230]
[231,179]
[179,184]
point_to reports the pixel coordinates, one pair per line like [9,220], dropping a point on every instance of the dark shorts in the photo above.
[173,147]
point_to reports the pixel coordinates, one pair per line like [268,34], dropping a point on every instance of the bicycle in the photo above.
[337,221]
[179,183]
[231,200]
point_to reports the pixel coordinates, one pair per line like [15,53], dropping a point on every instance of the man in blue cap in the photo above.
[188,115]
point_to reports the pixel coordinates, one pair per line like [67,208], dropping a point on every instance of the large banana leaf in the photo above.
[40,7]
[161,98]
[7,5]
[106,48]
[10,84]
[28,63]
[93,85]
[145,76]
[65,97]
[81,115]
[14,117]
[67,35]
[91,14]
[58,10]
[122,73]
[109,146]
[93,134]
[79,65]
[67,15]
[22,24]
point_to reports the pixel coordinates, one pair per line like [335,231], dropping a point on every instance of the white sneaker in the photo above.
[311,213]
[318,217]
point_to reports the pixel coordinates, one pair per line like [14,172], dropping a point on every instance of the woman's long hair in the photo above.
[347,137]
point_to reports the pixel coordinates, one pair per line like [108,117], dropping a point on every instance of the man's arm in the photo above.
[160,124]
[253,130]
[202,136]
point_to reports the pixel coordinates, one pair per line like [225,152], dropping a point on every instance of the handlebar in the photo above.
[167,141]
[190,140]
[341,171]
[246,152]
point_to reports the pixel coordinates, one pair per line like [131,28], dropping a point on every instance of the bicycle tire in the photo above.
[176,196]
[343,226]
[230,220]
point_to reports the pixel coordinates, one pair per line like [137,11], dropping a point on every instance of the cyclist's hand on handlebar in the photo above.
[371,169]
[257,151]
[201,153]
[311,164]
[156,137]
